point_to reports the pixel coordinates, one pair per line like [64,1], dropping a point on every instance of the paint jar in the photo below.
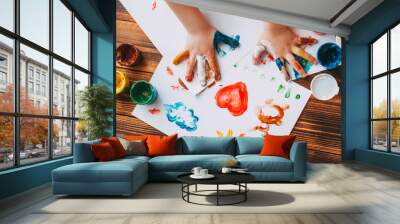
[329,55]
[142,92]
[324,86]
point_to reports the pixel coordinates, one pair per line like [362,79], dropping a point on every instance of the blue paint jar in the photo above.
[329,55]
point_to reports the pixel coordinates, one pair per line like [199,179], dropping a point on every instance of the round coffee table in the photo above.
[238,179]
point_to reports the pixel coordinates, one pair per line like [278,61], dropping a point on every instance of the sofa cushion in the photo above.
[249,145]
[83,152]
[191,145]
[257,163]
[103,152]
[161,145]
[277,145]
[185,163]
[112,171]
[116,145]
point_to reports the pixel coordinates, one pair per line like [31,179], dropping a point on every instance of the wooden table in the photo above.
[319,125]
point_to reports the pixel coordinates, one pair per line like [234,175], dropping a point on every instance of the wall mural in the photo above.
[254,93]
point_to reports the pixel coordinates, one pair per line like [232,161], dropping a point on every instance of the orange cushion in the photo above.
[277,145]
[136,137]
[103,152]
[116,145]
[161,145]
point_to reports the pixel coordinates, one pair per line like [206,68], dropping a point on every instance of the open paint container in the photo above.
[329,55]
[324,86]
[142,92]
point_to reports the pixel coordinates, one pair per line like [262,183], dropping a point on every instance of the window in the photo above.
[6,74]
[30,87]
[3,78]
[7,14]
[81,45]
[385,95]
[30,72]
[41,124]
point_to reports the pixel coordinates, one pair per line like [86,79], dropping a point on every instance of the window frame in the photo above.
[16,114]
[388,74]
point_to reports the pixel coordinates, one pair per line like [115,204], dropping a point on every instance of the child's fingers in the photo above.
[302,53]
[191,65]
[201,69]
[213,63]
[259,52]
[280,64]
[305,41]
[296,65]
[180,57]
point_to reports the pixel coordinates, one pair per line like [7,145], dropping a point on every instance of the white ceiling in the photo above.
[321,9]
[318,15]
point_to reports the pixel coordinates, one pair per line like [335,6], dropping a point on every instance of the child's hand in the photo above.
[285,43]
[199,47]
[201,43]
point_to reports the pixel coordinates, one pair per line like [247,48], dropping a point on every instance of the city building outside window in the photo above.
[38,108]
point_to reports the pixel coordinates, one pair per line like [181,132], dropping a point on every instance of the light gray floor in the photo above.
[379,189]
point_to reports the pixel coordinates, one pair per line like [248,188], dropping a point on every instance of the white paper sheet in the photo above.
[262,82]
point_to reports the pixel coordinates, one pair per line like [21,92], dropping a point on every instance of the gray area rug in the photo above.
[166,198]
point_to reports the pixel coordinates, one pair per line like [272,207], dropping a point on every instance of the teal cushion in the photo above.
[192,145]
[249,145]
[111,171]
[185,163]
[257,163]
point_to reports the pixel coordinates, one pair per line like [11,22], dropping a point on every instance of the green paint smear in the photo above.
[287,94]
[298,97]
[273,79]
[280,88]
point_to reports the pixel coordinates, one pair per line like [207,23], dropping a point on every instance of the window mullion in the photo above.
[73,82]
[389,100]
[16,84]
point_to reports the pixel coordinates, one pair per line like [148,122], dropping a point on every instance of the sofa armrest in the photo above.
[298,155]
[83,152]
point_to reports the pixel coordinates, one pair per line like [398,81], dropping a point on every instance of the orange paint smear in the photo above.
[268,120]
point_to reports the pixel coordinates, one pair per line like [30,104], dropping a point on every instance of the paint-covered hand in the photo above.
[200,52]
[285,44]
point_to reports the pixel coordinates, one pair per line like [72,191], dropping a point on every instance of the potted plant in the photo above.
[96,104]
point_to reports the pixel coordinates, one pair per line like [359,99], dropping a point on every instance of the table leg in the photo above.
[245,193]
[217,194]
[195,188]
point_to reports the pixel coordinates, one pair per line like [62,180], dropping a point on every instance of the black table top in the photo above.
[220,178]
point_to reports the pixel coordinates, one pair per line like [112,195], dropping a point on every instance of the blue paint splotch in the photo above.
[220,38]
[182,116]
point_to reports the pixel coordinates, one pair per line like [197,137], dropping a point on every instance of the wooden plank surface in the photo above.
[319,125]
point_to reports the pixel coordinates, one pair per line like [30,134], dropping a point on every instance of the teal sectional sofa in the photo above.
[125,176]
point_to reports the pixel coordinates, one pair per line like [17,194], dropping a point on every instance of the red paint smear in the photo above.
[175,87]
[233,97]
[180,82]
[170,71]
[154,110]
[154,5]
